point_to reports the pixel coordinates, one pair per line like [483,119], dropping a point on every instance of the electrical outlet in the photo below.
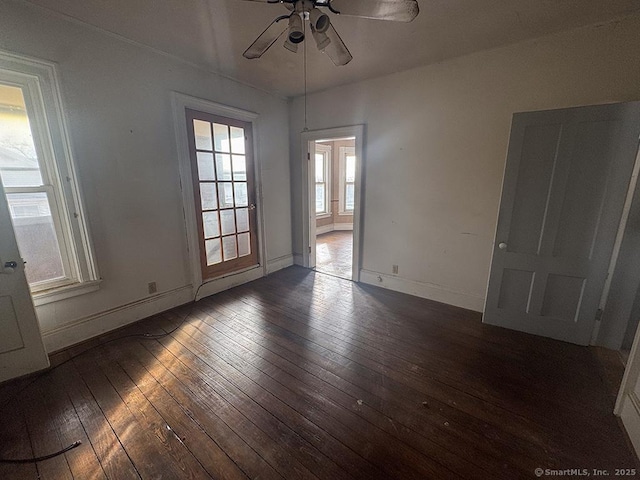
[153,288]
[394,269]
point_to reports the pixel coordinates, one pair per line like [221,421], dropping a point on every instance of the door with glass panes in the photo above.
[224,192]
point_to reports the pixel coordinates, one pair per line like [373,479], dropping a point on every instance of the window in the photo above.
[39,182]
[222,171]
[323,179]
[347,179]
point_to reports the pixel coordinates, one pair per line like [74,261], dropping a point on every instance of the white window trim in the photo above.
[325,150]
[344,151]
[39,81]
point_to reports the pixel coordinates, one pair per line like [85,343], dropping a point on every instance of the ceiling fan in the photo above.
[326,38]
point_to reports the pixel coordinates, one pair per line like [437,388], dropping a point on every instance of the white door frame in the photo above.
[180,102]
[628,404]
[308,180]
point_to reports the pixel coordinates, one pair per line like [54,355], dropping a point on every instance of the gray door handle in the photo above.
[9,267]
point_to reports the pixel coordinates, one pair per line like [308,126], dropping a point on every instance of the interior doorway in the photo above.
[334,166]
[332,217]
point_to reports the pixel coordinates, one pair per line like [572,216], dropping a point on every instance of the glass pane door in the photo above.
[222,168]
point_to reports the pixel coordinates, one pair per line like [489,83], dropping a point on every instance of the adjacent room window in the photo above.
[39,181]
[347,179]
[224,190]
[323,179]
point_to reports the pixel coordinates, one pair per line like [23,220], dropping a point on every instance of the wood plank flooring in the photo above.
[334,252]
[302,375]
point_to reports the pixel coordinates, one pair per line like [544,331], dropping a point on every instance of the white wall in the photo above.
[435,146]
[117,99]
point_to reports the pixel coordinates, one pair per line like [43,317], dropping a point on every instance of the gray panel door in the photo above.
[564,188]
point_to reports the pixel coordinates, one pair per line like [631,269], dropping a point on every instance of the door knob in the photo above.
[9,267]
[502,246]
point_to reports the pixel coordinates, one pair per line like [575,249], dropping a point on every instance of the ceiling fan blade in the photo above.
[266,38]
[394,10]
[337,50]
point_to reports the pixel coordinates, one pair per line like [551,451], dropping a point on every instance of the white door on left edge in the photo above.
[21,347]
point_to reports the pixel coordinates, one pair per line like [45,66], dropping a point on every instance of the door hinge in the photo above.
[308,156]
[599,315]
[309,248]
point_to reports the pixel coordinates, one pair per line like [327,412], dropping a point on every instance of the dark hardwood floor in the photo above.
[334,252]
[303,375]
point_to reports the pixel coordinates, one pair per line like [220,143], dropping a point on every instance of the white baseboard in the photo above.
[630,415]
[279,263]
[343,226]
[324,229]
[92,325]
[333,227]
[423,290]
[229,281]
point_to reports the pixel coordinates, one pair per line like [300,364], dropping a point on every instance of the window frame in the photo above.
[39,83]
[325,151]
[344,152]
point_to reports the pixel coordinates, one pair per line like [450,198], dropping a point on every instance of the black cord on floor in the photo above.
[44,457]
[144,336]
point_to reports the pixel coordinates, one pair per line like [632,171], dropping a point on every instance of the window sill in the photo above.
[346,214]
[324,215]
[62,293]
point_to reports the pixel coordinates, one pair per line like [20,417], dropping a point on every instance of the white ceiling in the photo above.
[214,33]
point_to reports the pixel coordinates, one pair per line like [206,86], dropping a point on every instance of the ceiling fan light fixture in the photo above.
[296,33]
[292,47]
[320,21]
[321,38]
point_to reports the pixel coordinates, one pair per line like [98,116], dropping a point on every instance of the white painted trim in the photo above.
[630,416]
[41,88]
[430,291]
[279,263]
[333,227]
[631,375]
[90,326]
[93,325]
[298,259]
[627,404]
[309,226]
[231,280]
[327,155]
[62,293]
[343,226]
[180,102]
[324,229]
[342,173]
